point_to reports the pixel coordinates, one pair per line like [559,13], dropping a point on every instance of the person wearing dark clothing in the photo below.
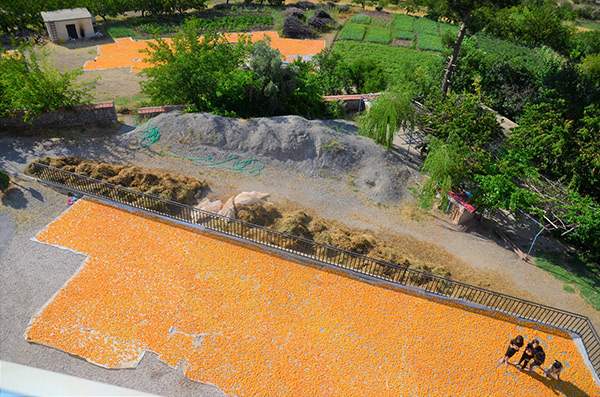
[554,370]
[513,347]
[529,353]
[538,359]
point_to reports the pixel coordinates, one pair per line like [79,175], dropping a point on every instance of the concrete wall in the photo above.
[100,114]
[84,27]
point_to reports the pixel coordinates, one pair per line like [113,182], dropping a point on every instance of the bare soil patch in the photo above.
[400,42]
[378,14]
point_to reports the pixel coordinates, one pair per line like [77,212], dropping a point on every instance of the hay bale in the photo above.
[259,214]
[295,223]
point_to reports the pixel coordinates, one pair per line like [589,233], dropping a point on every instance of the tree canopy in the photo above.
[29,83]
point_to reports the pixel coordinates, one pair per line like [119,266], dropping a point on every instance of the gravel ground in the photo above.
[33,272]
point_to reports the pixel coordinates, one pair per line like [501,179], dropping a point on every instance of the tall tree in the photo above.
[456,11]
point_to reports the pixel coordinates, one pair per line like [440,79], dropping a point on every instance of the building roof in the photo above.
[66,14]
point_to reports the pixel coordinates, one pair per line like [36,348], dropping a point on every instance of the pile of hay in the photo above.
[169,186]
[300,223]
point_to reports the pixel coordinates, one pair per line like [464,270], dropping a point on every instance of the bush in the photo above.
[295,29]
[294,12]
[4,181]
[360,18]
[353,32]
[379,35]
[305,5]
[319,24]
[322,14]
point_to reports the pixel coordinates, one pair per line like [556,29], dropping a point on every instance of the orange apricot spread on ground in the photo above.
[128,53]
[253,323]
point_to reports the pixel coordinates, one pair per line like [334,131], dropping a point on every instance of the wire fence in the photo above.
[394,274]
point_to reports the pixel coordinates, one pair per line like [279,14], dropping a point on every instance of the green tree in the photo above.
[446,168]
[4,181]
[209,73]
[282,90]
[29,82]
[391,111]
[367,76]
[456,11]
[108,8]
[332,72]
[533,22]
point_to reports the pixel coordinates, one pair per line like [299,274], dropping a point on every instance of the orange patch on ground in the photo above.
[256,324]
[126,52]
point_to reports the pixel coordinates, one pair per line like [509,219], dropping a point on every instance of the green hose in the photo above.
[151,136]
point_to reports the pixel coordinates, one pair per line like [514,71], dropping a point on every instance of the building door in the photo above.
[72,31]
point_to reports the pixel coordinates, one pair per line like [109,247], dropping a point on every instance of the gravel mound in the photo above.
[315,148]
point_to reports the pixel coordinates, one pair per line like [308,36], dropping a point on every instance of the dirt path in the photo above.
[484,258]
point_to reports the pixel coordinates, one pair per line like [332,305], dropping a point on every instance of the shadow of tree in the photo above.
[14,197]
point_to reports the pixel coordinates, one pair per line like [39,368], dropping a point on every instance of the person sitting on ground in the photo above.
[554,370]
[538,360]
[513,347]
[529,352]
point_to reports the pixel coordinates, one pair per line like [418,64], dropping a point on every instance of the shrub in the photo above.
[319,24]
[322,14]
[429,42]
[379,35]
[360,18]
[4,181]
[353,32]
[305,5]
[295,29]
[294,12]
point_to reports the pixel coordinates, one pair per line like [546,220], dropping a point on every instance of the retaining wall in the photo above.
[100,114]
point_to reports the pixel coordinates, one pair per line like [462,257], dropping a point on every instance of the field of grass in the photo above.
[399,62]
[359,18]
[505,50]
[118,31]
[404,35]
[587,24]
[578,275]
[429,43]
[427,26]
[353,31]
[404,22]
[379,35]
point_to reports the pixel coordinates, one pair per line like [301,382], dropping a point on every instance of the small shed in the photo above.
[69,24]
[459,209]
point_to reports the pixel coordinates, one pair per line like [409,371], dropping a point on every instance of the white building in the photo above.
[72,23]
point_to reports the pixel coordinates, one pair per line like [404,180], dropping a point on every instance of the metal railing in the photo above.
[394,274]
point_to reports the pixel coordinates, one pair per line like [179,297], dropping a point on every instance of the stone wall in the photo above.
[99,114]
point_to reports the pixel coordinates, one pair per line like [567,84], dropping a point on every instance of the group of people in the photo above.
[534,353]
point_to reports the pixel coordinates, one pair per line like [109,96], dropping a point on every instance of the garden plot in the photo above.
[127,52]
[256,324]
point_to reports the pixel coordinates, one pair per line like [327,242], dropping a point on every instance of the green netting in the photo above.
[151,136]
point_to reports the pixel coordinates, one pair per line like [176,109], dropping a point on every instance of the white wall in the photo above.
[84,28]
